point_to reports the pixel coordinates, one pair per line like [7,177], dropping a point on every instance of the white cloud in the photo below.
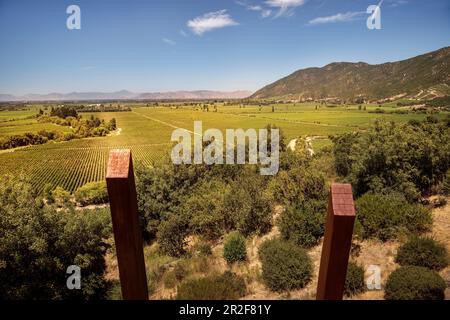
[286,7]
[263,11]
[340,17]
[183,33]
[266,13]
[210,21]
[396,3]
[254,8]
[169,42]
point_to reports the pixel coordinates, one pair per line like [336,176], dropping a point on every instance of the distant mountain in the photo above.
[124,95]
[200,94]
[424,76]
[7,97]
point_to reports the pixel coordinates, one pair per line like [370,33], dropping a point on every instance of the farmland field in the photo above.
[147,130]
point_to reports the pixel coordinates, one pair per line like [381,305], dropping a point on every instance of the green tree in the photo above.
[247,207]
[172,235]
[92,193]
[38,243]
[61,196]
[394,157]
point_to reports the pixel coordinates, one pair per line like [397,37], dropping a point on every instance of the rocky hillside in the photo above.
[425,76]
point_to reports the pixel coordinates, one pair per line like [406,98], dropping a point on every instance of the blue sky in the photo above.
[145,46]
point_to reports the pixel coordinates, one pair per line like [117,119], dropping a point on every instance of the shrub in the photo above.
[61,197]
[304,224]
[234,248]
[423,252]
[383,216]
[38,243]
[246,206]
[92,193]
[167,189]
[172,235]
[354,280]
[406,158]
[204,249]
[214,199]
[285,266]
[299,183]
[205,209]
[227,286]
[414,283]
[48,194]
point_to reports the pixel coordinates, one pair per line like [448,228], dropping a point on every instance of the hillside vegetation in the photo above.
[425,76]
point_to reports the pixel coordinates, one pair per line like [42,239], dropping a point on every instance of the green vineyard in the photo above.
[147,132]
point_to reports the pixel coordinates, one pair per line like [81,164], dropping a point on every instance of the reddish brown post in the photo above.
[125,220]
[336,243]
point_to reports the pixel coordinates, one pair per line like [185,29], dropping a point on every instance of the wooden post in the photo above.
[336,243]
[125,220]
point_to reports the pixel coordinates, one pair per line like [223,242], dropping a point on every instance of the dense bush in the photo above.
[285,266]
[298,184]
[61,197]
[38,243]
[247,207]
[214,199]
[20,140]
[423,252]
[414,283]
[234,248]
[354,280]
[166,188]
[407,158]
[63,112]
[205,209]
[227,286]
[383,216]
[304,224]
[172,235]
[92,193]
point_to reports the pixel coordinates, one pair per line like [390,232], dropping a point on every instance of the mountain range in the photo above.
[127,95]
[422,77]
